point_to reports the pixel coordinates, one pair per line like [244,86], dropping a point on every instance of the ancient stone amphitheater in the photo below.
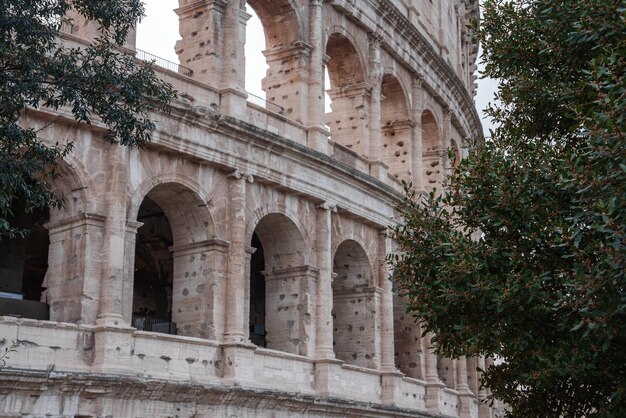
[234,267]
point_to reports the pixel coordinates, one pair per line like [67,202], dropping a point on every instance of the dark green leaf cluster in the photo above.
[37,72]
[521,257]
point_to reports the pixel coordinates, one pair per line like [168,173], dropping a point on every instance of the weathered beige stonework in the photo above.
[234,267]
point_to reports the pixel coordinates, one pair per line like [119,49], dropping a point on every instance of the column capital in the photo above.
[375,39]
[238,175]
[417,80]
[327,206]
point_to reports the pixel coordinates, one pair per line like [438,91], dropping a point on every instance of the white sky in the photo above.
[158,33]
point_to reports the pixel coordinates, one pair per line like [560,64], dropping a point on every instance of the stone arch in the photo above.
[176,274]
[286,56]
[349,93]
[354,306]
[190,193]
[42,268]
[281,21]
[431,149]
[281,286]
[396,128]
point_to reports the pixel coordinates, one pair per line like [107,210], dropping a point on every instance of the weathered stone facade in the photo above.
[233,267]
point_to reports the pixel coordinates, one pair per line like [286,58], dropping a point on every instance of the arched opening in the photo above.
[256,66]
[154,271]
[395,128]
[176,276]
[431,150]
[23,265]
[349,95]
[354,307]
[407,340]
[157,32]
[281,287]
[283,85]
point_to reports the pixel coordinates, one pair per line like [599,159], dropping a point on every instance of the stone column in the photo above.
[324,302]
[434,386]
[237,351]
[114,239]
[317,132]
[466,398]
[446,138]
[236,285]
[391,377]
[484,411]
[129,274]
[379,169]
[234,62]
[417,108]
[113,335]
[387,360]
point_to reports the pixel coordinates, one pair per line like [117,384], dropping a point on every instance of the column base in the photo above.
[324,372]
[317,139]
[390,380]
[113,346]
[238,363]
[434,395]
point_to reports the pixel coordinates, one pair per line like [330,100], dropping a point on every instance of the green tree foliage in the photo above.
[521,256]
[38,72]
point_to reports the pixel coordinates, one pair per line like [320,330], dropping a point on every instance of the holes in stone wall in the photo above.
[395,128]
[354,307]
[348,94]
[431,149]
[286,284]
[407,340]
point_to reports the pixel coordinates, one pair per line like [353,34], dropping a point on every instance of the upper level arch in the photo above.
[349,94]
[396,127]
[346,65]
[179,197]
[281,21]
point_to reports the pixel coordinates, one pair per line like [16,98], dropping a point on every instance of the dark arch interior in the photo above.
[257,294]
[23,265]
[154,266]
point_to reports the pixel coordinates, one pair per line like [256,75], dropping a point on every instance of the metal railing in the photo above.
[163,63]
[271,106]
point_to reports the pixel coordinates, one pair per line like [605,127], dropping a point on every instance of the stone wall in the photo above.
[152,309]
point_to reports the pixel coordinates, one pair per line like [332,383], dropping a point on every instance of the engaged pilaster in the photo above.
[317,132]
[235,288]
[324,302]
[417,94]
[114,239]
[379,169]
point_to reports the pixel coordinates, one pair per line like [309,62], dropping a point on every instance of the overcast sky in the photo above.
[158,33]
